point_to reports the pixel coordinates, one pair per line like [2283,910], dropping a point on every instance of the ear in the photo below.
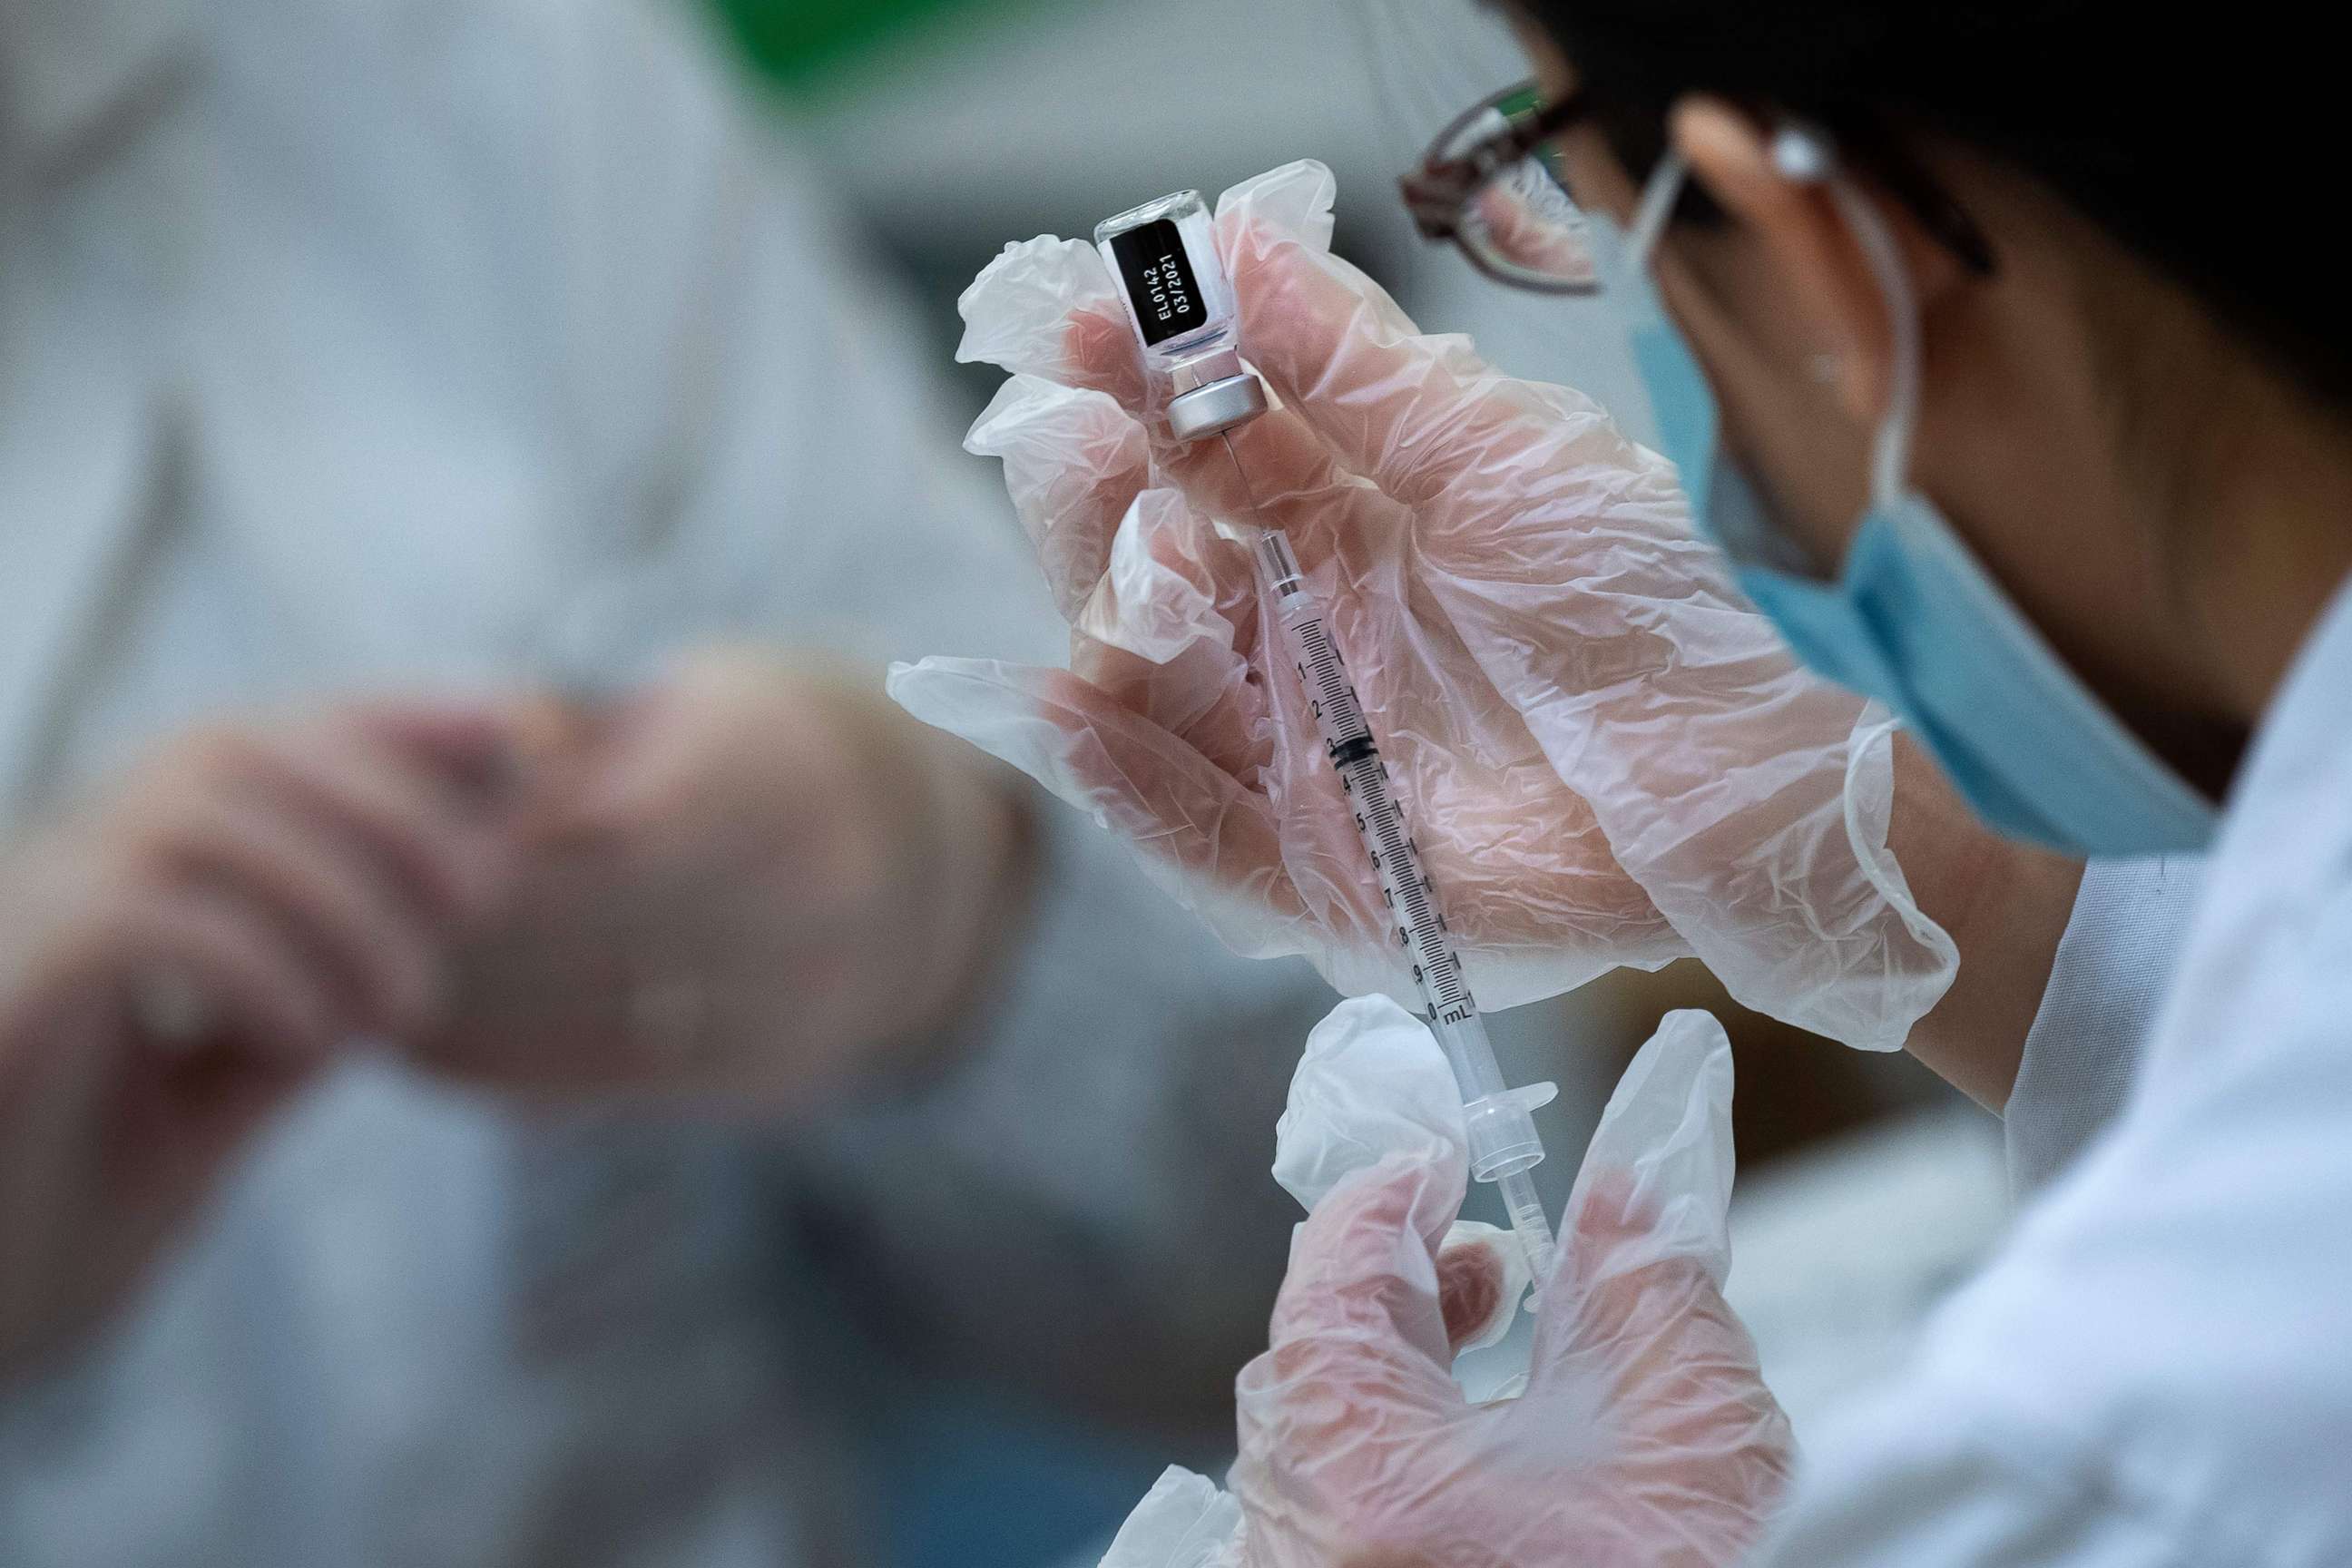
[1829,284]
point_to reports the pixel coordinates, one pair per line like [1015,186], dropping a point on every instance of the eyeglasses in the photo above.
[1491,183]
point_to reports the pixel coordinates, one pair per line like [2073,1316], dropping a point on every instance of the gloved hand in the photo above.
[180,954]
[1644,1435]
[1608,756]
[1372,1084]
[753,882]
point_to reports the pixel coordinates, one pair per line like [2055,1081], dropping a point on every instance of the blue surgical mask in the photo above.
[1913,619]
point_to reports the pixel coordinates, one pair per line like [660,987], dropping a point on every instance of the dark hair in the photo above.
[2191,139]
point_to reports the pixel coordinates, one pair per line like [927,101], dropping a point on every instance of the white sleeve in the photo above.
[1893,1491]
[2118,951]
[2153,1371]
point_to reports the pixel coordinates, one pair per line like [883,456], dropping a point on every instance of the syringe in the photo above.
[1504,1145]
[1181,307]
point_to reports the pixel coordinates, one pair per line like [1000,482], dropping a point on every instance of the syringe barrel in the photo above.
[1502,1134]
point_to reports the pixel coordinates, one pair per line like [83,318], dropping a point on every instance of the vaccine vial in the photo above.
[1181,304]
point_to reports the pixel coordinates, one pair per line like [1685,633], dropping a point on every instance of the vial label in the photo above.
[1160,281]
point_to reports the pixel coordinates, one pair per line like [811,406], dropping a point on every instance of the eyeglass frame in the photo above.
[1443,188]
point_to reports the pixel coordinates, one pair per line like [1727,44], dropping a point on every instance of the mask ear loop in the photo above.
[1657,204]
[1803,155]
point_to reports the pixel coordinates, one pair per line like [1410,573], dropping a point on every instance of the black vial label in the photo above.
[1160,281]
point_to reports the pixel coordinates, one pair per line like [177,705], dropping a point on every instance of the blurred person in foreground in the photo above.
[468,352]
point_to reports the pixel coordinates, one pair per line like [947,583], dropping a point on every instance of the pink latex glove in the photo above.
[1643,1438]
[1644,1435]
[1608,756]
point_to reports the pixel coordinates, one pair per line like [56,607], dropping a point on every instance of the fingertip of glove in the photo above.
[1308,313]
[940,689]
[1026,401]
[1482,1274]
[1147,602]
[979,323]
[903,679]
[1297,202]
[922,687]
[1657,1176]
[1685,1068]
[1185,1518]
[1012,402]
[1382,1199]
[1015,312]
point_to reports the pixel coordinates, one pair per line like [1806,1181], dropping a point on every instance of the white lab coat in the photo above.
[2157,1369]
[378,342]
[2122,946]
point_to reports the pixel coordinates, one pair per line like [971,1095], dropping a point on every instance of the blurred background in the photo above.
[977,1365]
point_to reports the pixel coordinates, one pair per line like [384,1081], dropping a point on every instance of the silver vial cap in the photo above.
[1218,406]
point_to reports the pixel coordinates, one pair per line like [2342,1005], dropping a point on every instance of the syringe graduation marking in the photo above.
[1328,677]
[1405,887]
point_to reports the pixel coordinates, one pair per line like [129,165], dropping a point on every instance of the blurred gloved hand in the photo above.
[178,955]
[1644,1435]
[1608,755]
[751,880]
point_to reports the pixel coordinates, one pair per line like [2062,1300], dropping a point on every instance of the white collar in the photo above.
[66,65]
[2291,811]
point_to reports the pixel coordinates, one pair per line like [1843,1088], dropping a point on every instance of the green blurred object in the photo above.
[795,41]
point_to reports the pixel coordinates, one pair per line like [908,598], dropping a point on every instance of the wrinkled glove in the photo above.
[1608,756]
[1644,1435]
[1372,1084]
